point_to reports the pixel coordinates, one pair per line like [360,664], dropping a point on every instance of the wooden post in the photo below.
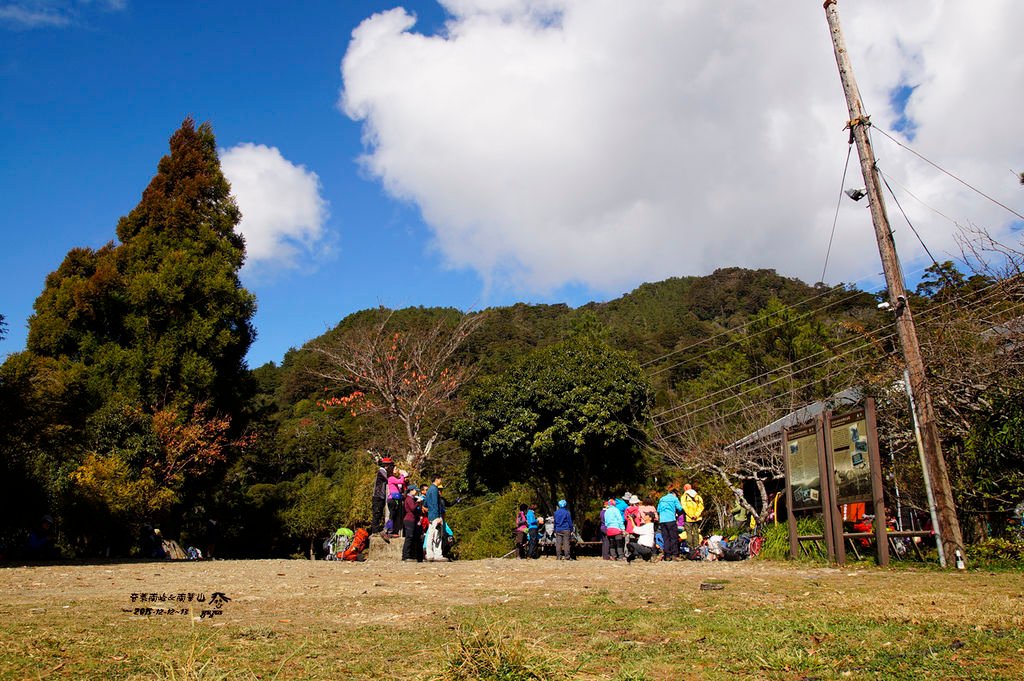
[826,483]
[833,517]
[949,526]
[877,491]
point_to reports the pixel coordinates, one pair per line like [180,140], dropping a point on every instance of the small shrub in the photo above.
[484,527]
[496,653]
[776,537]
[998,551]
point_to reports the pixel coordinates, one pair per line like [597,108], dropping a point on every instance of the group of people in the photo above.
[529,523]
[414,513]
[629,528]
[633,528]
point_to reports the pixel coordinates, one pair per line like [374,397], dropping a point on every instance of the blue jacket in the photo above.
[531,519]
[563,520]
[668,508]
[612,518]
[433,501]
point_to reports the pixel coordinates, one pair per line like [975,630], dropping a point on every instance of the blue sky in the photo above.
[544,151]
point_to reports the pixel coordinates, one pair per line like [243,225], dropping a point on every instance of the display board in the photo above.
[849,440]
[805,479]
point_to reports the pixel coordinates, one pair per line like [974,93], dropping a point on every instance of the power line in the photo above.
[912,229]
[765,374]
[839,201]
[767,383]
[853,294]
[940,168]
[925,316]
[848,298]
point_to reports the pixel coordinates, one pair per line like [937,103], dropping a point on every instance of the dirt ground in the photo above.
[303,619]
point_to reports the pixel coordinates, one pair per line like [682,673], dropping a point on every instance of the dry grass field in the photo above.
[506,619]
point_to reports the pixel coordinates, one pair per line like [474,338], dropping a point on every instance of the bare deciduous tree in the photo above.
[408,376]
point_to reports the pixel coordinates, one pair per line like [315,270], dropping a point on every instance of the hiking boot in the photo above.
[387,540]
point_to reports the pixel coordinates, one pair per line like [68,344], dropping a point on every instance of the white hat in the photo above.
[634,499]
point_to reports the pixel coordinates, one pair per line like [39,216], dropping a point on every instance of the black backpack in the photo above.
[738,549]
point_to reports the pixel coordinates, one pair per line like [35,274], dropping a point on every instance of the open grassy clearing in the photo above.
[587,619]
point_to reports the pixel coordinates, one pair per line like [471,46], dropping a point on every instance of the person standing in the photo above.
[616,525]
[435,518]
[395,500]
[533,529]
[693,510]
[411,526]
[563,530]
[380,494]
[669,509]
[522,531]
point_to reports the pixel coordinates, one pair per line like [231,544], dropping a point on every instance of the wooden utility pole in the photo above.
[951,539]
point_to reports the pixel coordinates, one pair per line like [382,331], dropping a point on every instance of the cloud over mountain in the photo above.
[553,142]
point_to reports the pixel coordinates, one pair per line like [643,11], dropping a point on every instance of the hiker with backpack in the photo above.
[669,509]
[693,511]
[435,518]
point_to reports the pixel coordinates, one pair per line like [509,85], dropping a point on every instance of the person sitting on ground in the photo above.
[616,525]
[642,544]
[563,530]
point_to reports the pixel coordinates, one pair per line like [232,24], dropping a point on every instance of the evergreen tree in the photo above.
[145,342]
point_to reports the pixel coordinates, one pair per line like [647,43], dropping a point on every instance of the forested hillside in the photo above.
[132,407]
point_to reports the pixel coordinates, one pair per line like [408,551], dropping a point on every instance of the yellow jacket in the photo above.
[693,505]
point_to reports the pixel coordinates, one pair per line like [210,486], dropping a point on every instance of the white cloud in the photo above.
[30,14]
[283,214]
[606,143]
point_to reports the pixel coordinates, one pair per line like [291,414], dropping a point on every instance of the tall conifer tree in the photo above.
[146,342]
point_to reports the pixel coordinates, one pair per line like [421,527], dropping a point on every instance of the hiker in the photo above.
[693,510]
[616,525]
[411,547]
[533,529]
[435,518]
[522,531]
[356,549]
[395,499]
[669,509]
[380,494]
[40,543]
[603,529]
[632,514]
[563,530]
[642,540]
